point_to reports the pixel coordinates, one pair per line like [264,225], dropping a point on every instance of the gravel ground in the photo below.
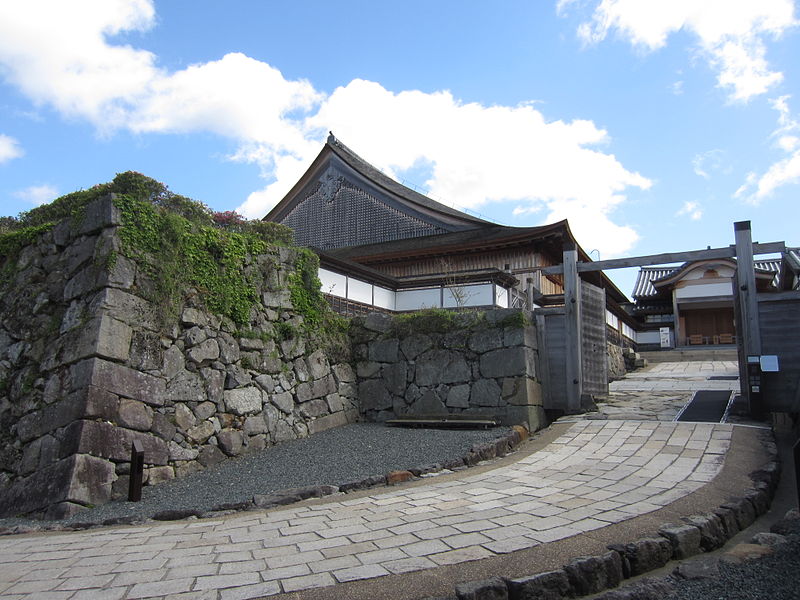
[333,457]
[774,577]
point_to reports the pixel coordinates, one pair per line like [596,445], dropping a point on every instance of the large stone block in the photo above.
[344,373]
[685,539]
[37,423]
[373,395]
[99,214]
[186,387]
[458,396]
[78,479]
[314,408]
[493,588]
[201,432]
[552,585]
[384,350]
[119,380]
[428,404]
[522,391]
[414,345]
[284,402]
[592,574]
[646,554]
[441,366]
[322,387]
[331,421]
[506,362]
[712,531]
[394,375]
[243,401]
[318,365]
[104,440]
[484,340]
[126,307]
[485,392]
[230,441]
[204,352]
[135,415]
[102,336]
[378,322]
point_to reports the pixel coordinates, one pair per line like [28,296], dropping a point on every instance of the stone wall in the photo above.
[88,365]
[471,363]
[616,362]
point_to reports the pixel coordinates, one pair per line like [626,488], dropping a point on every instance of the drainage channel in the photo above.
[706,406]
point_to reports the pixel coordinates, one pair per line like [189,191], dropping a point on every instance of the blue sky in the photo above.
[652,126]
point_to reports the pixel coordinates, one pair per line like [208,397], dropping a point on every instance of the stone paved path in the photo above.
[594,474]
[660,391]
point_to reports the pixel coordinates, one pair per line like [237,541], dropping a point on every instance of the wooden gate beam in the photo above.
[661,259]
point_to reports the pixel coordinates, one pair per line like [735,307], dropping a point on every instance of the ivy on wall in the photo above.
[183,246]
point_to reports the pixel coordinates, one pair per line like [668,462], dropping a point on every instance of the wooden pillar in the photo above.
[572,326]
[746,279]
[750,333]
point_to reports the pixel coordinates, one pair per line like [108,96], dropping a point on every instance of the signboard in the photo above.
[666,339]
[769,363]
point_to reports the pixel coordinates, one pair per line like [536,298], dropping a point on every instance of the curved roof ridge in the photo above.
[382,179]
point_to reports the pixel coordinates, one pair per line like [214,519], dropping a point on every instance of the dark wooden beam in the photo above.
[662,259]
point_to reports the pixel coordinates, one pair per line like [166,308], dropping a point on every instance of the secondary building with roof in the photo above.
[694,300]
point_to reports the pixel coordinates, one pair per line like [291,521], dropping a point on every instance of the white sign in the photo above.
[664,334]
[769,363]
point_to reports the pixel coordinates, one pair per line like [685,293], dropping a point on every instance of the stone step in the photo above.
[707,353]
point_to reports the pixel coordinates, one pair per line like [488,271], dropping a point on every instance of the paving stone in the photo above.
[307,582]
[362,572]
[160,588]
[248,592]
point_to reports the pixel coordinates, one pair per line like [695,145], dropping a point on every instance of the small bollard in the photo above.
[137,472]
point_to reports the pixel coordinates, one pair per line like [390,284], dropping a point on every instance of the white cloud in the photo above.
[730,33]
[37,194]
[57,53]
[693,210]
[707,163]
[481,154]
[785,171]
[9,148]
[63,55]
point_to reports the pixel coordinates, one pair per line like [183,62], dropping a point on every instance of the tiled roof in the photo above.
[644,281]
[643,288]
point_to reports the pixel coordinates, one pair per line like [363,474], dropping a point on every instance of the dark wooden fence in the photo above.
[779,320]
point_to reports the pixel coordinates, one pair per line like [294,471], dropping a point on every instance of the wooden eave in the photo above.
[361,271]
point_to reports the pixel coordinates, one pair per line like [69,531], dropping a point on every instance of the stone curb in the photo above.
[593,574]
[497,448]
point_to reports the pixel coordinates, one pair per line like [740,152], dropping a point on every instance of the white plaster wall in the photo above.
[384,298]
[648,337]
[358,290]
[704,290]
[501,297]
[416,299]
[334,284]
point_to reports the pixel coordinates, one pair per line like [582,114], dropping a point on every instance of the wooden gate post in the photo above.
[750,333]
[572,327]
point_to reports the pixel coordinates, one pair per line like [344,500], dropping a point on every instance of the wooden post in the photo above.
[572,327]
[137,472]
[750,334]
[747,288]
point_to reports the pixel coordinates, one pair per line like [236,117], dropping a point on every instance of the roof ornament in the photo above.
[331,138]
